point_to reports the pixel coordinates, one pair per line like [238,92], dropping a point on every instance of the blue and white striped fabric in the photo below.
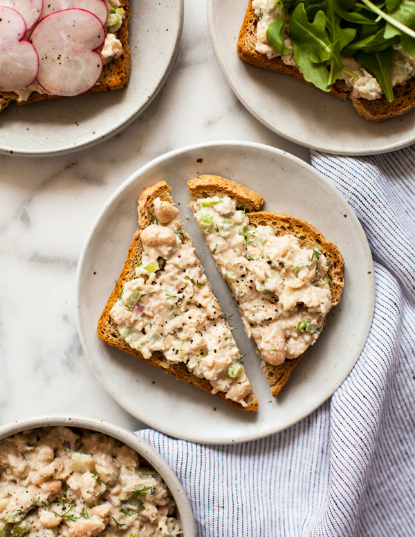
[349,468]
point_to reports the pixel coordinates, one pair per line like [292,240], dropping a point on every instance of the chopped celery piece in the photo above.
[115,16]
[227,224]
[235,370]
[306,326]
[193,361]
[130,332]
[21,528]
[17,516]
[131,300]
[260,287]
[210,203]
[153,266]
[82,463]
[204,220]
[229,277]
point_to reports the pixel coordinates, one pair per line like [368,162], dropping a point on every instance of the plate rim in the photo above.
[83,256]
[118,128]
[251,110]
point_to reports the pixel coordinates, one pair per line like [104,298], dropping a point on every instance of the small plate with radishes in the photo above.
[54,50]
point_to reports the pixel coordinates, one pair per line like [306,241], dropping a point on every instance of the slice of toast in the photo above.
[209,186]
[107,328]
[376,111]
[114,76]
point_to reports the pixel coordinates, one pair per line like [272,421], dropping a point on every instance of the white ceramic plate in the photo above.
[179,409]
[293,109]
[66,125]
[135,442]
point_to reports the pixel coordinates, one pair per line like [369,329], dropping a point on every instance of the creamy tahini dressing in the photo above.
[365,86]
[281,288]
[55,482]
[169,307]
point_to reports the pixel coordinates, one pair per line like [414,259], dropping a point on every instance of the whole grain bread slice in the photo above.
[282,224]
[377,110]
[114,76]
[107,329]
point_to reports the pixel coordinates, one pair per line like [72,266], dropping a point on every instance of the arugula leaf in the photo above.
[391,4]
[372,43]
[379,63]
[342,9]
[276,32]
[316,73]
[398,18]
[312,34]
[340,37]
[405,14]
[312,47]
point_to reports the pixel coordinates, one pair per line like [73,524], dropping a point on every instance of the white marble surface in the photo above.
[47,207]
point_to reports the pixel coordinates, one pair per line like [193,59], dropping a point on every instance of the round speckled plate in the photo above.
[295,110]
[178,409]
[66,125]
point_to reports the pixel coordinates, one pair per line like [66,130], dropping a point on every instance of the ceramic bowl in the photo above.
[144,450]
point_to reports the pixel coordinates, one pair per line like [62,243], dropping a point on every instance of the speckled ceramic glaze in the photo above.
[290,186]
[296,110]
[69,124]
[130,439]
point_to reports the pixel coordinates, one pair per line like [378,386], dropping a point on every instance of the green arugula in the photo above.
[322,31]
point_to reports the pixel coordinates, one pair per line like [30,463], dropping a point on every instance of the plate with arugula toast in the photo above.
[337,76]
[215,308]
[87,68]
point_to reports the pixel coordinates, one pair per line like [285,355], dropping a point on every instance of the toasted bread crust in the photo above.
[206,186]
[278,375]
[107,329]
[114,76]
[376,111]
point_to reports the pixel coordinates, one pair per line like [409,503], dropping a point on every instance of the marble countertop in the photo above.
[47,207]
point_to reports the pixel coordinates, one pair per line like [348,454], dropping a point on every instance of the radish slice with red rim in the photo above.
[30,10]
[96,7]
[19,61]
[67,42]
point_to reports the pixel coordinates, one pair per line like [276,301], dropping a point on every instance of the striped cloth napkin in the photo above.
[349,468]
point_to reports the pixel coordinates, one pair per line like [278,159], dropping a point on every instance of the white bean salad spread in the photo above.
[169,307]
[281,288]
[55,482]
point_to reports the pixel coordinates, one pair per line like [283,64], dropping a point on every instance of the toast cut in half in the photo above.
[377,110]
[191,296]
[259,306]
[114,76]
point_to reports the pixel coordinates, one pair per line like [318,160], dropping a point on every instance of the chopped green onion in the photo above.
[210,203]
[155,217]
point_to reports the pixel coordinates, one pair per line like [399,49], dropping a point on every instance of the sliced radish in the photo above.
[66,42]
[96,7]
[30,10]
[19,62]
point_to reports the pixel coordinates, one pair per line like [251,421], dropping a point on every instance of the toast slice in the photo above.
[114,76]
[107,328]
[208,186]
[376,111]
